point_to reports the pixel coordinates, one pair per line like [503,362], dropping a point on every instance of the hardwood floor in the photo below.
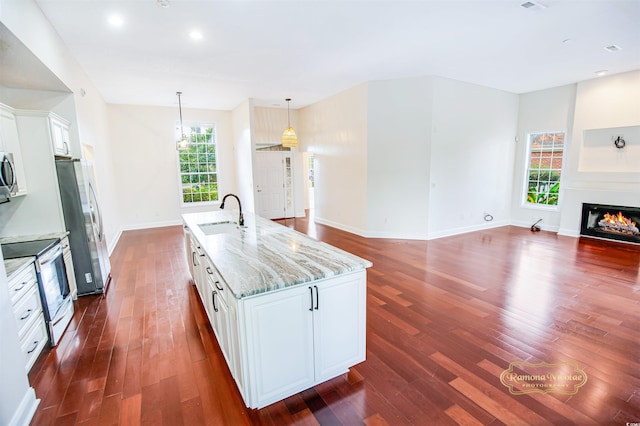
[444,319]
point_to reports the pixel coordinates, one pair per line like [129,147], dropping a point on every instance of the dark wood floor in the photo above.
[444,319]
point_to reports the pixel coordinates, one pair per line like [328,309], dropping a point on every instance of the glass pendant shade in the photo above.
[182,143]
[289,138]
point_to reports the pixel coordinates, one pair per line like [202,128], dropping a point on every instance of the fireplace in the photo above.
[611,222]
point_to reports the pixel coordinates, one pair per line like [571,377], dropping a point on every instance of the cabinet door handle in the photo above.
[209,271]
[26,315]
[219,287]
[213,296]
[193,258]
[66,147]
[24,283]
[35,345]
[311,294]
[317,297]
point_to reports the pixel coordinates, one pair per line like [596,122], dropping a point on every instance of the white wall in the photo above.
[146,171]
[335,131]
[472,151]
[244,146]
[86,109]
[602,103]
[398,163]
[25,20]
[541,111]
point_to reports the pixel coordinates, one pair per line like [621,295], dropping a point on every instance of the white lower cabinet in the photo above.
[302,336]
[27,310]
[281,342]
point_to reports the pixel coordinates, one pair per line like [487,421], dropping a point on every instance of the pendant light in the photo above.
[289,138]
[182,143]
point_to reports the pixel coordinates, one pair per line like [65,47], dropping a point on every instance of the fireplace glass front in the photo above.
[611,222]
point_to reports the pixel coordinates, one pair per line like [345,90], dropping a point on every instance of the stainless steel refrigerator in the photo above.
[83,220]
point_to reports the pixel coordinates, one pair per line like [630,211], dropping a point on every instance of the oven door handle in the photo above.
[50,255]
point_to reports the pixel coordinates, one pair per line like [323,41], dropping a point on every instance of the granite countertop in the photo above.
[265,256]
[15,266]
[21,238]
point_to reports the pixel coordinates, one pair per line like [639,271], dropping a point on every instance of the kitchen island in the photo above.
[289,312]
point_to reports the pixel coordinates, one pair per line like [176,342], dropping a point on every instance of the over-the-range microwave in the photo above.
[8,181]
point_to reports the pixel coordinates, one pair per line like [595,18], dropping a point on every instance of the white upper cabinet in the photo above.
[60,137]
[10,142]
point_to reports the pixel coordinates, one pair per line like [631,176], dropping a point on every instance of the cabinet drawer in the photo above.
[218,283]
[27,309]
[33,343]
[20,285]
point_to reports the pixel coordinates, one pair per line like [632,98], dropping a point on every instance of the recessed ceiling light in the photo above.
[115,20]
[196,35]
[163,3]
[600,73]
[567,41]
[613,48]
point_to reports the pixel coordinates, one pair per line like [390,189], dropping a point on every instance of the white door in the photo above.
[274,184]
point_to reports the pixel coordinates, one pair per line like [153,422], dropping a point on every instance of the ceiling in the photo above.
[311,49]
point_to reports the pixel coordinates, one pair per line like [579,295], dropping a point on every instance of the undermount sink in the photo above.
[218,227]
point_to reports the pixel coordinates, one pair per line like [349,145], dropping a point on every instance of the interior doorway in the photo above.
[309,187]
[274,184]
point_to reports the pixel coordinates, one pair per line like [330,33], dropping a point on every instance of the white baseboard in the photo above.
[396,235]
[466,229]
[340,226]
[568,232]
[542,225]
[25,411]
[149,225]
[112,245]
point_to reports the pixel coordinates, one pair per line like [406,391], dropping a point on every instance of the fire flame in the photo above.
[618,218]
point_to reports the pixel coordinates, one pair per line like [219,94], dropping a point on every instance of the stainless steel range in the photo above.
[52,281]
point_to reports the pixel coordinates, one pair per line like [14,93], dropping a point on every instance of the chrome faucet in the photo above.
[240,218]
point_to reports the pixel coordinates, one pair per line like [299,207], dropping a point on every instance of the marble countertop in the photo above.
[21,238]
[15,266]
[265,256]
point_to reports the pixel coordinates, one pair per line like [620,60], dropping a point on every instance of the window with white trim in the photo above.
[544,167]
[198,165]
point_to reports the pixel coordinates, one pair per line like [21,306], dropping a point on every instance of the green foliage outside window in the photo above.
[545,167]
[198,167]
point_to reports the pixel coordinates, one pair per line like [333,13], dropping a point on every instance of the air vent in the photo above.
[533,5]
[613,48]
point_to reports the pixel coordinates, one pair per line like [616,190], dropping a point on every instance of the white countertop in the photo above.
[15,266]
[266,256]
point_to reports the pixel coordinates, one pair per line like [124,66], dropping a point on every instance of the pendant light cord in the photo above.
[180,108]
[288,117]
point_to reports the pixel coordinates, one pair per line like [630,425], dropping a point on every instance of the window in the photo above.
[544,168]
[198,169]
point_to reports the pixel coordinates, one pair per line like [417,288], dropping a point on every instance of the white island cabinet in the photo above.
[288,312]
